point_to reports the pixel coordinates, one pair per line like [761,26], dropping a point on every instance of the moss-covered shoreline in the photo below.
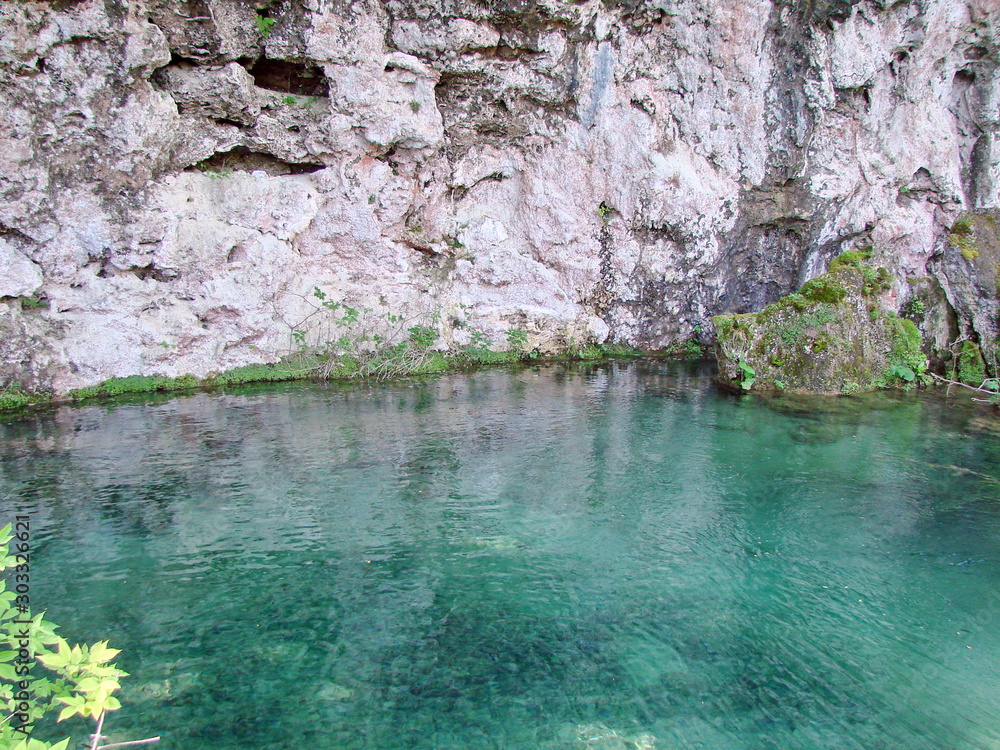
[14,399]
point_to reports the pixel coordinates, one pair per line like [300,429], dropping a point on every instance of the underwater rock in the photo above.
[601,737]
[331,691]
[833,336]
[497,542]
[159,690]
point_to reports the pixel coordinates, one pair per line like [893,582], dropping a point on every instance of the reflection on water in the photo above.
[600,557]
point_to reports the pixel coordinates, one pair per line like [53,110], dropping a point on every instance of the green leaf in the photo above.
[54,661]
[87,684]
[100,653]
[904,372]
[75,701]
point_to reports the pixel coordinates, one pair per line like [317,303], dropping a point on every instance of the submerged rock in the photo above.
[601,737]
[833,336]
[331,691]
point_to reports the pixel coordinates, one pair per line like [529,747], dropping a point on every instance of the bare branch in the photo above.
[97,731]
[147,741]
[980,389]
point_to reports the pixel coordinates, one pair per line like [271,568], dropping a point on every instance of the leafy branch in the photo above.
[76,680]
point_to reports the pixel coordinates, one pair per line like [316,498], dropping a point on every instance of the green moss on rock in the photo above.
[963,238]
[829,337]
[851,258]
[825,288]
[136,384]
[14,397]
[971,365]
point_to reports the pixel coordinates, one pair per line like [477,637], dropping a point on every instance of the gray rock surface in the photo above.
[183,174]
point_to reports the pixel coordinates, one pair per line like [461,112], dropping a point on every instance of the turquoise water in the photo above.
[609,556]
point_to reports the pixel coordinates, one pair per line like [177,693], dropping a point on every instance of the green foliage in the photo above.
[14,397]
[422,336]
[262,373]
[214,174]
[687,349]
[823,289]
[914,308]
[747,376]
[724,324]
[796,301]
[490,357]
[516,340]
[962,226]
[588,352]
[604,211]
[850,387]
[136,384]
[414,106]
[907,356]
[479,344]
[962,237]
[851,258]
[336,340]
[903,372]
[33,303]
[301,101]
[791,334]
[877,280]
[971,366]
[264,25]
[42,673]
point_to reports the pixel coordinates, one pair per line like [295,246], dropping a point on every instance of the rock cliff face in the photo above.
[178,177]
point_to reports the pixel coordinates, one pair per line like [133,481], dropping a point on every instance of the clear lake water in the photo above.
[610,556]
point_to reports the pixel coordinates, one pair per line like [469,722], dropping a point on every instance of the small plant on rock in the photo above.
[337,340]
[516,339]
[747,376]
[264,25]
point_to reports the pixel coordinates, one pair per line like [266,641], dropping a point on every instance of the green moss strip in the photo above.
[305,367]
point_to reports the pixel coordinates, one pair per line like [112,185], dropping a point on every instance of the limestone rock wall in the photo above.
[178,176]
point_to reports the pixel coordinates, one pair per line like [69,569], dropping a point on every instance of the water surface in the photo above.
[609,556]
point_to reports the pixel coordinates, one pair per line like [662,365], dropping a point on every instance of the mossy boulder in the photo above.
[830,337]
